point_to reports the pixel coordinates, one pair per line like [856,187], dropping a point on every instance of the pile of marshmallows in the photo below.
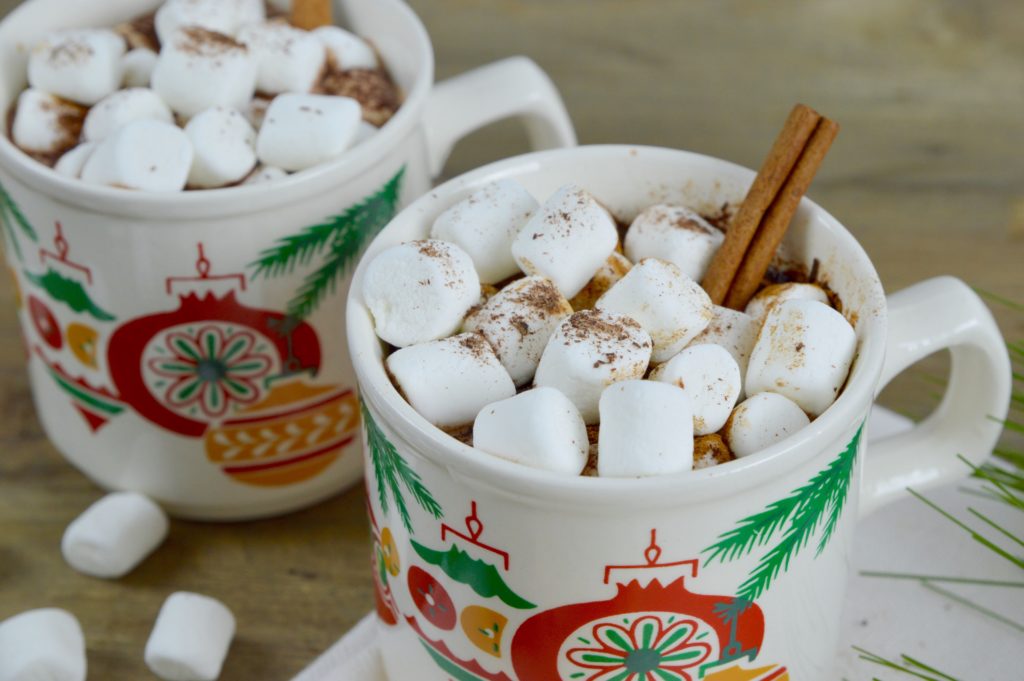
[192,634]
[590,336]
[215,56]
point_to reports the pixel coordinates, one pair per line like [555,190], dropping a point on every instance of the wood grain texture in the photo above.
[928,173]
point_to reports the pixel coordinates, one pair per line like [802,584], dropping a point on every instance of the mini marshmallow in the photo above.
[290,59]
[366,131]
[518,321]
[222,16]
[485,223]
[265,174]
[419,291]
[199,69]
[804,351]
[137,66]
[117,110]
[539,428]
[348,50]
[669,305]
[567,240]
[676,234]
[44,124]
[147,155]
[114,535]
[591,350]
[613,269]
[760,421]
[772,295]
[82,65]
[42,645]
[735,331]
[301,131]
[449,381]
[190,639]
[710,377]
[710,450]
[224,145]
[646,429]
[72,162]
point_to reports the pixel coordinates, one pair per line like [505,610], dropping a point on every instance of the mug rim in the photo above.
[234,199]
[517,480]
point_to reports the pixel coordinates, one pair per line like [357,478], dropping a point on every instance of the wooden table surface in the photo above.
[928,172]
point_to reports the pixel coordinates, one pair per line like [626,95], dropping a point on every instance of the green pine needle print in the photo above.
[339,241]
[392,473]
[819,503]
[12,217]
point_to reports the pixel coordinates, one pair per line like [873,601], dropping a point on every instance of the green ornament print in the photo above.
[69,292]
[482,577]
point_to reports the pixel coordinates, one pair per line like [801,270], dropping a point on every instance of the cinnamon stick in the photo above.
[776,220]
[776,168]
[310,14]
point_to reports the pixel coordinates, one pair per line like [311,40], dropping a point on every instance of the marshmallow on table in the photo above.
[301,131]
[265,174]
[290,59]
[348,50]
[760,421]
[485,223]
[676,234]
[117,110]
[223,16]
[224,145]
[613,269]
[137,66]
[419,291]
[710,450]
[190,639]
[566,240]
[518,321]
[449,381]
[669,305]
[772,295]
[73,160]
[710,377]
[646,429]
[82,65]
[590,350]
[149,155]
[42,645]
[198,69]
[804,351]
[735,331]
[44,124]
[114,535]
[539,428]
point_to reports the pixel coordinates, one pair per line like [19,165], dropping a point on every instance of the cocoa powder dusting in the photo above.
[374,89]
[140,32]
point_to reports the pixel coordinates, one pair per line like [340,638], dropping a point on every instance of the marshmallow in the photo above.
[591,350]
[83,65]
[669,305]
[223,16]
[734,331]
[190,639]
[44,124]
[518,321]
[770,296]
[676,234]
[42,645]
[539,428]
[485,223]
[710,450]
[613,269]
[137,67]
[419,291]
[114,535]
[72,162]
[449,381]
[710,377]
[265,174]
[804,351]
[290,59]
[224,145]
[365,132]
[199,69]
[148,155]
[301,131]
[117,110]
[646,429]
[760,421]
[566,240]
[348,50]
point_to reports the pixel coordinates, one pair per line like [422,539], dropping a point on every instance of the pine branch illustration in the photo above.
[296,249]
[17,215]
[420,493]
[754,530]
[842,474]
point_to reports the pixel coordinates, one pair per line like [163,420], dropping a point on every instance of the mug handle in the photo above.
[513,87]
[934,315]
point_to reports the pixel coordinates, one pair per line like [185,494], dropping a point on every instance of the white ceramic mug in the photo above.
[191,347]
[491,570]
